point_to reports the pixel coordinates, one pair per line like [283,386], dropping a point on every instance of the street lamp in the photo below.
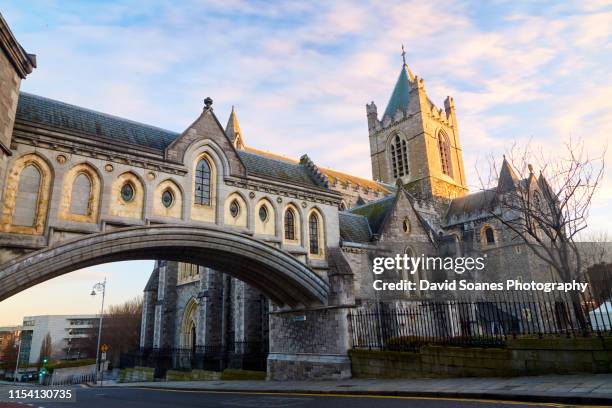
[18,356]
[99,287]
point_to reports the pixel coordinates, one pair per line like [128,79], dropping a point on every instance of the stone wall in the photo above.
[309,344]
[9,93]
[136,374]
[193,375]
[521,357]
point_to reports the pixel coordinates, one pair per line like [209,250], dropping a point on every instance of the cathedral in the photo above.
[417,204]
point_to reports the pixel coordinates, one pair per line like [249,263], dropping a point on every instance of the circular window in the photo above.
[406,225]
[263,213]
[127,192]
[167,199]
[234,209]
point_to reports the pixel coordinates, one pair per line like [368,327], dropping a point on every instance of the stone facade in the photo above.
[80,188]
[15,64]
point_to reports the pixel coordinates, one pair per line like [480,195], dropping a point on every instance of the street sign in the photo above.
[299,318]
[103,356]
[104,348]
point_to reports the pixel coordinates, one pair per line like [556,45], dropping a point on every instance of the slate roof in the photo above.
[332,175]
[375,212]
[354,228]
[268,167]
[401,93]
[472,203]
[52,113]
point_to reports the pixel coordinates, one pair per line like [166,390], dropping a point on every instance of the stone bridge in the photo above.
[280,276]
[79,188]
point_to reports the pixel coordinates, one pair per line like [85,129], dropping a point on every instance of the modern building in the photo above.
[70,336]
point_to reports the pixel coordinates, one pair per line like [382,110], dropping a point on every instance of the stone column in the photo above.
[313,342]
[212,297]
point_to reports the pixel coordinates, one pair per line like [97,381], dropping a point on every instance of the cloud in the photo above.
[301,73]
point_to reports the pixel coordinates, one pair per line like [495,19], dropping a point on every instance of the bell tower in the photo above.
[416,142]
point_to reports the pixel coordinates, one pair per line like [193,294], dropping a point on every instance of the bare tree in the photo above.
[9,354]
[121,328]
[548,212]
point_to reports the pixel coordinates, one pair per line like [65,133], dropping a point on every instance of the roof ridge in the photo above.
[270,155]
[348,212]
[388,197]
[108,115]
[296,163]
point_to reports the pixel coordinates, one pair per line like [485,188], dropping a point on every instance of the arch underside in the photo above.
[281,277]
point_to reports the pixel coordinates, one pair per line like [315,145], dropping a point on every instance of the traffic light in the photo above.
[45,360]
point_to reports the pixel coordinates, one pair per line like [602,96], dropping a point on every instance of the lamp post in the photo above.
[17,362]
[99,287]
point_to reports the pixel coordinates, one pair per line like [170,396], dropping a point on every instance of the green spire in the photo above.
[401,93]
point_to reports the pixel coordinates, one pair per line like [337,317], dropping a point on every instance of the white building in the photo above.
[69,336]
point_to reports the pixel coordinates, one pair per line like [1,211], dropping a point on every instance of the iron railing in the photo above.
[408,325]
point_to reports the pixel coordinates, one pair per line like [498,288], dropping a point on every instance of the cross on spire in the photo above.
[403,54]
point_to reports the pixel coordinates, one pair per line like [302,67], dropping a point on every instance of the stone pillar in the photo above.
[15,64]
[165,306]
[313,343]
[148,309]
[212,298]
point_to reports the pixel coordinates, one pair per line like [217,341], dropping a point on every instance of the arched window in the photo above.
[187,272]
[202,183]
[445,156]
[313,234]
[290,225]
[399,157]
[537,200]
[26,203]
[234,208]
[80,195]
[489,235]
[263,213]
[26,197]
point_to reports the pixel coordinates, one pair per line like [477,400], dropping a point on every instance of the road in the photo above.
[140,397]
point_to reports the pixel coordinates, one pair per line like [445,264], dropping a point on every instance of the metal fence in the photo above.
[244,355]
[408,325]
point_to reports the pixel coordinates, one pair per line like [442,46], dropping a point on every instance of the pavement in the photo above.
[587,389]
[123,397]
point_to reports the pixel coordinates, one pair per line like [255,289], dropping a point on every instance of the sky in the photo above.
[300,74]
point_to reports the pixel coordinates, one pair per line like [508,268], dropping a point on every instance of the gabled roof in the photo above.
[401,93]
[354,227]
[268,167]
[376,212]
[508,180]
[64,116]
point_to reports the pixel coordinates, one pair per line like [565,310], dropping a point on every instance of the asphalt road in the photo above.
[140,398]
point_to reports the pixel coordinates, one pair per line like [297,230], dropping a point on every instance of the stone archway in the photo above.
[189,325]
[285,280]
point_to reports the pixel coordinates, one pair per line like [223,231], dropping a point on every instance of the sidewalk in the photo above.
[571,389]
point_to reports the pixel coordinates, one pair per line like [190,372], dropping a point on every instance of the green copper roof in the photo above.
[401,93]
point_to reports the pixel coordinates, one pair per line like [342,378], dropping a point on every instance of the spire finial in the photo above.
[403,54]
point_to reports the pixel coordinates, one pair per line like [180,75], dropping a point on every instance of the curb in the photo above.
[537,398]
